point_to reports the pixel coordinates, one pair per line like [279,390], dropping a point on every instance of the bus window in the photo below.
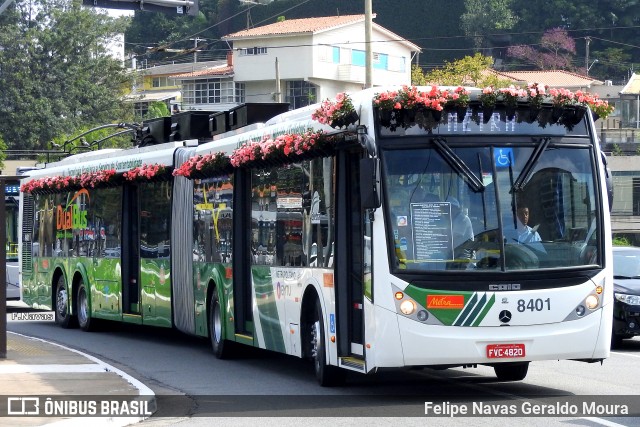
[292,214]
[213,219]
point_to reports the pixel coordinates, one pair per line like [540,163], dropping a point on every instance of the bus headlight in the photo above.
[407,307]
[591,302]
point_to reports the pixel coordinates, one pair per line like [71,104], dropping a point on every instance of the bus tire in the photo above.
[327,375]
[85,321]
[511,371]
[62,304]
[220,346]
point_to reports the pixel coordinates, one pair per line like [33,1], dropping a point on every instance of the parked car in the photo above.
[626,288]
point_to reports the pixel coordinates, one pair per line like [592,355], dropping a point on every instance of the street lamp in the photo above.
[589,67]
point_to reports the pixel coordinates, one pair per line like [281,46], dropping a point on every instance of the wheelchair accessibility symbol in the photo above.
[503,157]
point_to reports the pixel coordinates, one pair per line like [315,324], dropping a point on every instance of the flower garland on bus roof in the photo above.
[96,179]
[283,149]
[535,94]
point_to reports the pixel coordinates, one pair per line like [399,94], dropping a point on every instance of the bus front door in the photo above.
[349,265]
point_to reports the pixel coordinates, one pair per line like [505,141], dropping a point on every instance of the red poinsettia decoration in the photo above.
[204,165]
[145,172]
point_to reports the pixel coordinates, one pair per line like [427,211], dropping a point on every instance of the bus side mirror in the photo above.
[370,183]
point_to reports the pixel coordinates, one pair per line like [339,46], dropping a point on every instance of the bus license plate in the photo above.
[499,351]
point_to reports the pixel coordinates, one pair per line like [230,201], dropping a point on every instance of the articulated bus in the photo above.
[377,244]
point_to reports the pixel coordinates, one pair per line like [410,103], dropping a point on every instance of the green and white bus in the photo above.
[392,239]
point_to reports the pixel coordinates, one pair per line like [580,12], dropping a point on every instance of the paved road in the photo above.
[258,383]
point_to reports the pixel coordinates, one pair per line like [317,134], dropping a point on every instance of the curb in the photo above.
[143,390]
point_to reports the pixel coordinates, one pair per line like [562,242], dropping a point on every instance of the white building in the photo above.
[316,58]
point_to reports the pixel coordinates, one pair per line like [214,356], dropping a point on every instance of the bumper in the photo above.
[626,319]
[422,345]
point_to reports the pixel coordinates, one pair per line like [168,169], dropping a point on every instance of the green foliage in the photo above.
[57,74]
[620,241]
[468,71]
[484,17]
[617,151]
[157,109]
[613,63]
[3,155]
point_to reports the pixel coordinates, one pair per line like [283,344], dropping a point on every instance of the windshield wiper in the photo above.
[458,164]
[527,170]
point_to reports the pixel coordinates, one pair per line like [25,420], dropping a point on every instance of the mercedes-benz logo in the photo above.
[504,316]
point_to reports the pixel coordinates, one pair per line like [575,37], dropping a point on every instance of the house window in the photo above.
[212,91]
[397,63]
[300,93]
[239,93]
[160,82]
[336,55]
[358,58]
[380,61]
[253,51]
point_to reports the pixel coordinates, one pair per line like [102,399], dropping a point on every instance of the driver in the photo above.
[525,233]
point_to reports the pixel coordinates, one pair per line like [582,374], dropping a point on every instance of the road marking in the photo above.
[603,422]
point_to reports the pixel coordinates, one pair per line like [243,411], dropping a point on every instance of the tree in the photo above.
[556,51]
[157,109]
[56,74]
[3,155]
[483,17]
[613,64]
[470,70]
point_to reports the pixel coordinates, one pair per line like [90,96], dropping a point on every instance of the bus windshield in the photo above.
[533,207]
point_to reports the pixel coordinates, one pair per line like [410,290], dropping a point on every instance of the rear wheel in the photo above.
[511,371]
[326,374]
[62,304]
[221,347]
[84,312]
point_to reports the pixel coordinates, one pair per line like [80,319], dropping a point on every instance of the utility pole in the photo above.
[586,57]
[368,74]
[195,48]
[278,89]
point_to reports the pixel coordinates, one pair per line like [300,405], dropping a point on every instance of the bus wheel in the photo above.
[84,312]
[326,374]
[511,371]
[62,305]
[221,347]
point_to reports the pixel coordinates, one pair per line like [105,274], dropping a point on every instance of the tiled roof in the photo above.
[224,70]
[553,78]
[297,26]
[633,86]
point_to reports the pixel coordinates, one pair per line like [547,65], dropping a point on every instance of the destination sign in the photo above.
[495,124]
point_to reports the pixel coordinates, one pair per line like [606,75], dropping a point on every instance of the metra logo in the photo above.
[445,301]
[71,217]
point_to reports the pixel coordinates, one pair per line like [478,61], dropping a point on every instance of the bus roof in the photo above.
[121,160]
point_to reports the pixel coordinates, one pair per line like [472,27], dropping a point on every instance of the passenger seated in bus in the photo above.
[461,229]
